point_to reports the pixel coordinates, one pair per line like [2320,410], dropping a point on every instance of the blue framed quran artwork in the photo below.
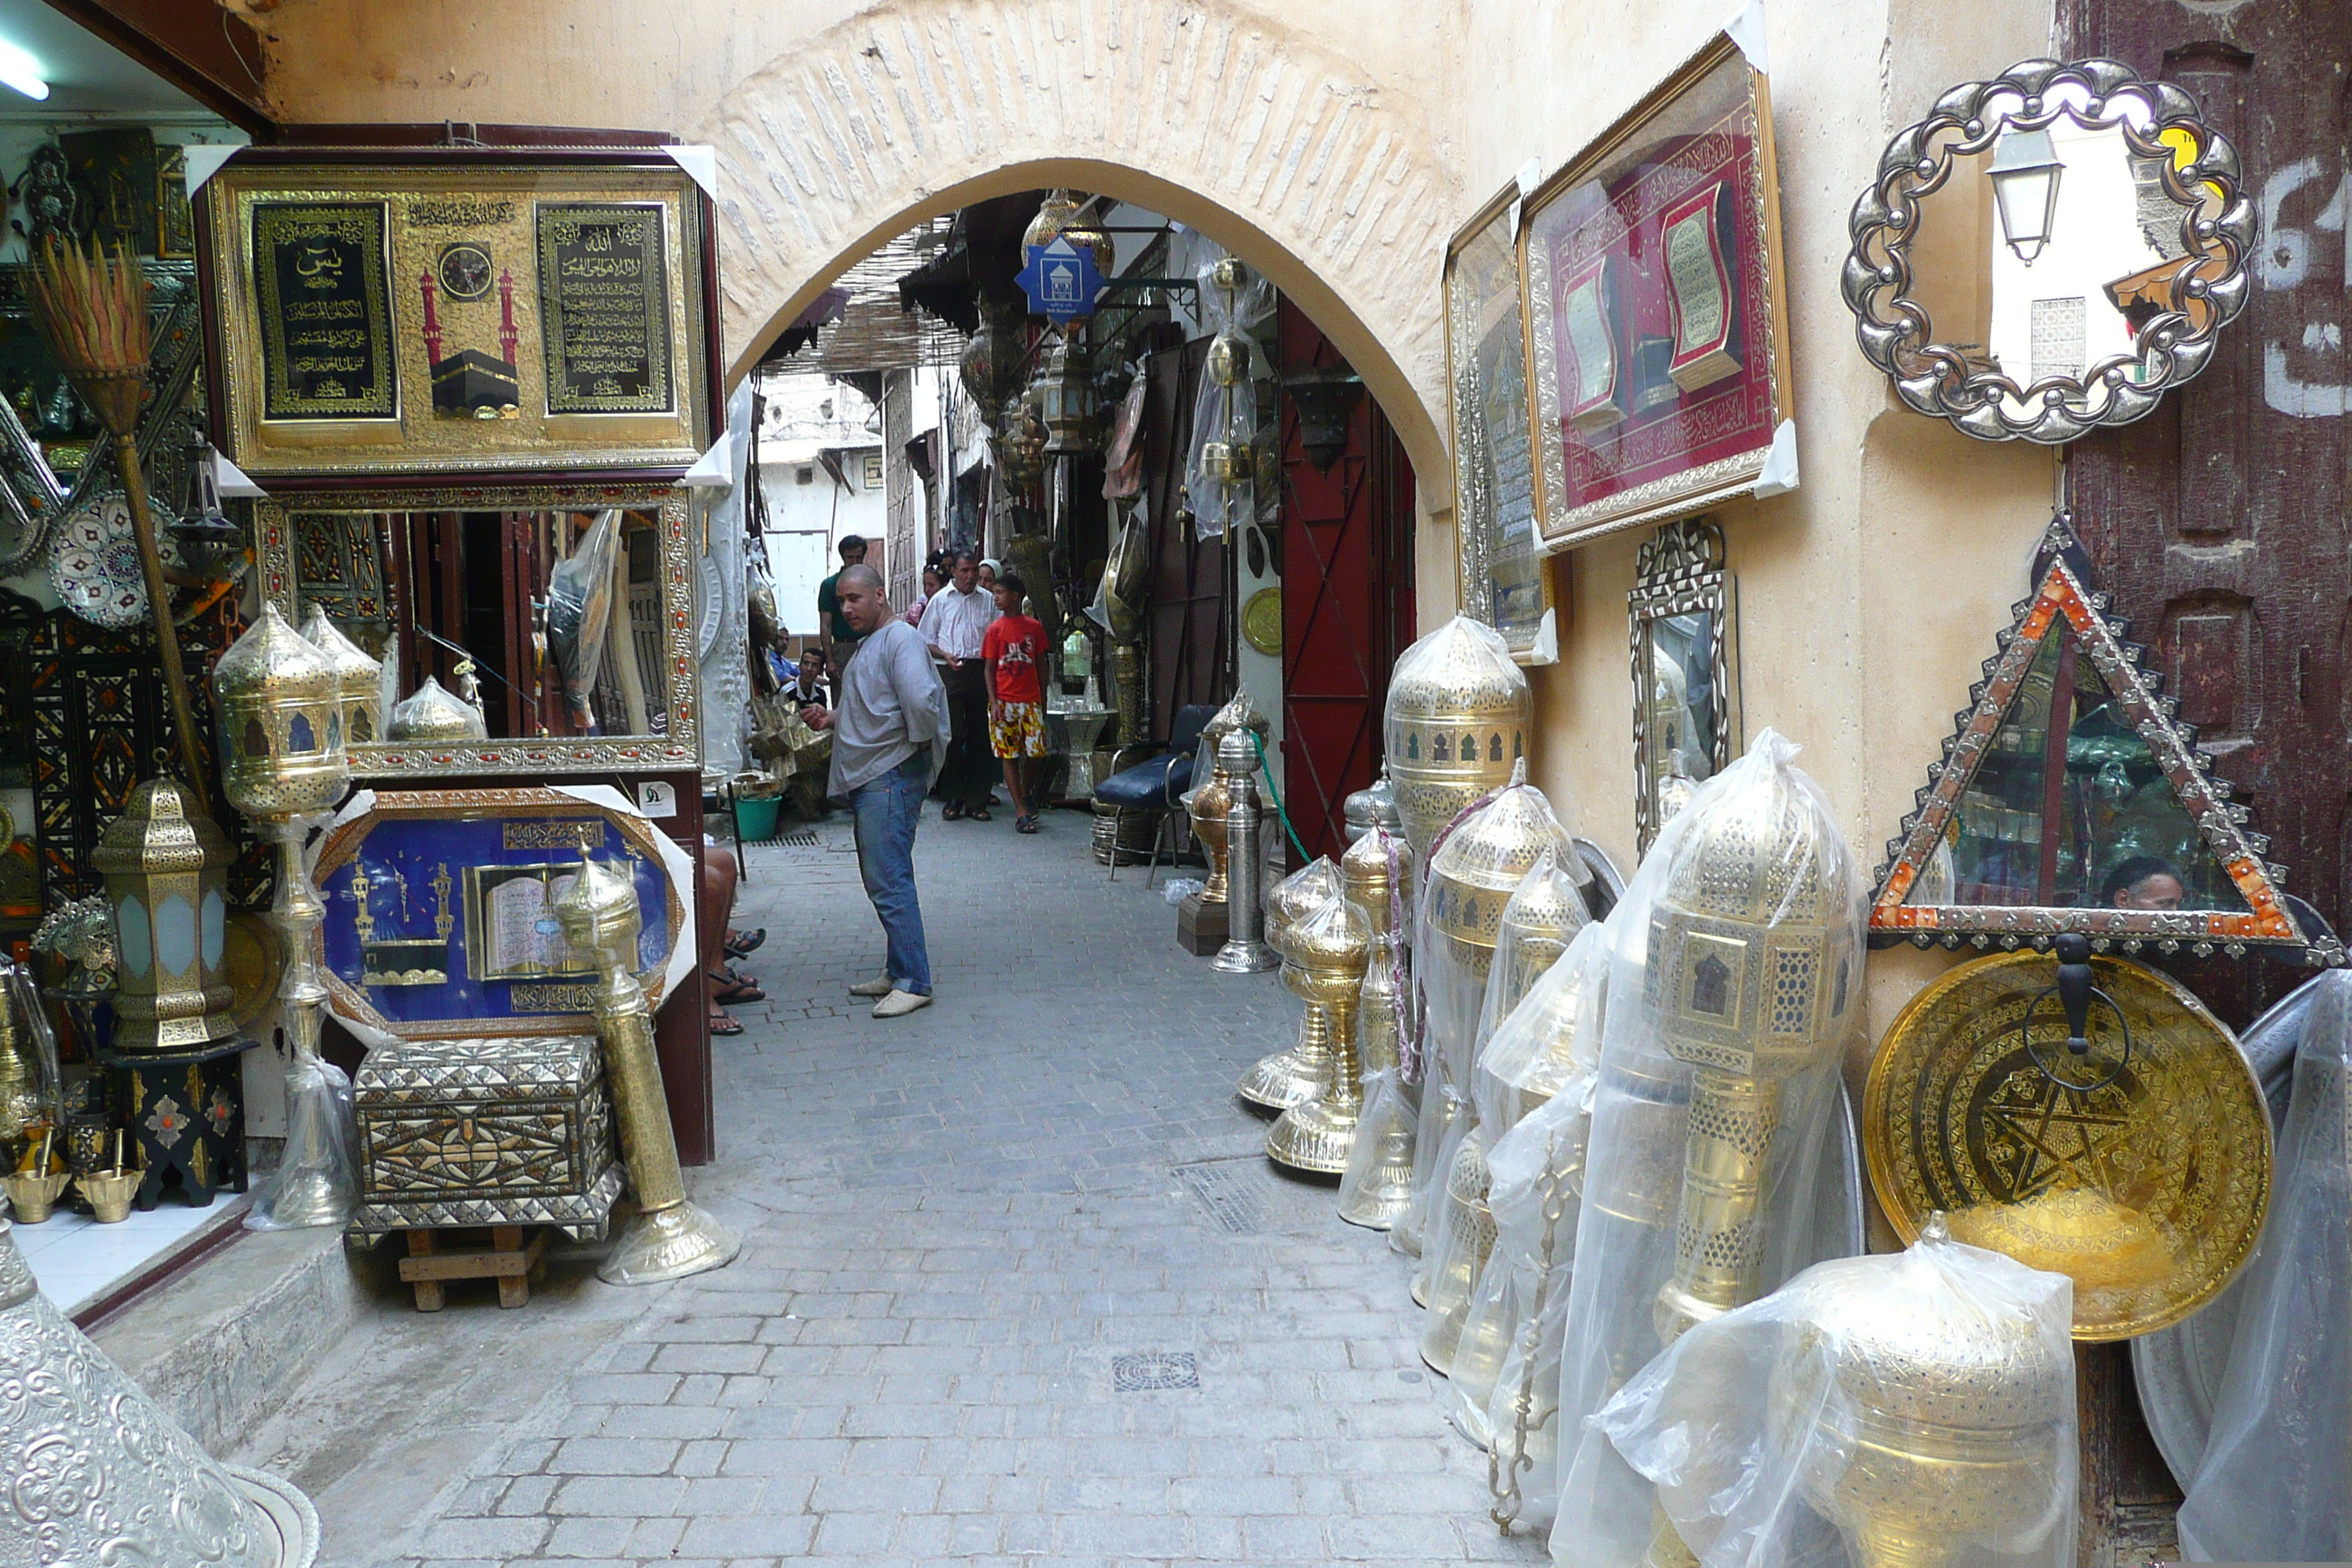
[441,911]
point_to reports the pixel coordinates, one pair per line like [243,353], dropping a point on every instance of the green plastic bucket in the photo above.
[755,818]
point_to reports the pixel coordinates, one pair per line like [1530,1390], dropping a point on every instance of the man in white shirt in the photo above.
[954,623]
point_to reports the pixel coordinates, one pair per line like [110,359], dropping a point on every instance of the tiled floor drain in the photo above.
[1245,1197]
[1154,1370]
[805,839]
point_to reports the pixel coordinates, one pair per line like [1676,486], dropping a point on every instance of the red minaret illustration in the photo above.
[432,320]
[508,336]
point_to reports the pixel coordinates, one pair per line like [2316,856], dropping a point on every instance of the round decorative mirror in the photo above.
[2049,251]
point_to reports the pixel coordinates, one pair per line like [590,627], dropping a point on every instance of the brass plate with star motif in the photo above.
[2148,1191]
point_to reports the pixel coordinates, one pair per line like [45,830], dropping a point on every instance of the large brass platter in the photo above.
[2148,1190]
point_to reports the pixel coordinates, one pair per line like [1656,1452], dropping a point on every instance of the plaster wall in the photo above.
[1335,144]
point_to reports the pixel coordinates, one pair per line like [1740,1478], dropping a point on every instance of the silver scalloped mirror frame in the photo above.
[1894,329]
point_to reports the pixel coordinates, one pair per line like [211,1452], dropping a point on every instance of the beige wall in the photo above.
[1337,143]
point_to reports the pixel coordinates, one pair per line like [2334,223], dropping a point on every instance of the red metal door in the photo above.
[1347,595]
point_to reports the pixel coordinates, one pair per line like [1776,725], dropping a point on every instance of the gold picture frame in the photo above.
[1501,575]
[443,314]
[677,747]
[1631,427]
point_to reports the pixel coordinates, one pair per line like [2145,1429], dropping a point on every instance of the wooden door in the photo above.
[1347,595]
[1187,641]
[2218,523]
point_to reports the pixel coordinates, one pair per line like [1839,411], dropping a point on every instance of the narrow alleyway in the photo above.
[1016,1287]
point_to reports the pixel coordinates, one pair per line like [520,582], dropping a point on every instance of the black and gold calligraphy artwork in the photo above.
[604,295]
[325,313]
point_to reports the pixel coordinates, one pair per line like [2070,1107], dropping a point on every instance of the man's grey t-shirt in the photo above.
[892,705]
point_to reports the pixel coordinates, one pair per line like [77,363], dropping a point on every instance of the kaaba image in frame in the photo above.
[1657,248]
[2049,251]
[657,633]
[400,844]
[2072,799]
[430,314]
[1502,574]
[1684,626]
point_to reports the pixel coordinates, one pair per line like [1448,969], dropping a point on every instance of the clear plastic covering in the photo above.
[1548,1047]
[1914,1407]
[317,1181]
[1454,726]
[1221,473]
[1734,975]
[2275,1485]
[31,1045]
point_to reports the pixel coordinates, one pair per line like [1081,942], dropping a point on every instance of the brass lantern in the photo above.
[166,870]
[358,680]
[1750,970]
[1323,959]
[281,722]
[1474,875]
[1057,215]
[1456,722]
[1207,800]
[1068,393]
[990,363]
[1289,1077]
[1950,1425]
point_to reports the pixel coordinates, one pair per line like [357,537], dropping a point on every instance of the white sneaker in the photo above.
[898,1004]
[880,986]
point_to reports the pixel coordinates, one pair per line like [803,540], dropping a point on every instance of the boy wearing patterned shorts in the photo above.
[1014,650]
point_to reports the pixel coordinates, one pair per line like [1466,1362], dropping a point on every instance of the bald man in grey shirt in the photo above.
[889,731]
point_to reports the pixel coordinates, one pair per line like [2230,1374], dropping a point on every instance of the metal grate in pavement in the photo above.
[1153,1370]
[1246,1196]
[805,839]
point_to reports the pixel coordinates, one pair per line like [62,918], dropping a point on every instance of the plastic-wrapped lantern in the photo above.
[281,722]
[358,680]
[166,870]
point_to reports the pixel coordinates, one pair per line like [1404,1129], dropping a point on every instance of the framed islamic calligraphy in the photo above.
[1658,351]
[1502,576]
[426,315]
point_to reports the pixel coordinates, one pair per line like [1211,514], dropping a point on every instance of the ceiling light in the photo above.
[21,71]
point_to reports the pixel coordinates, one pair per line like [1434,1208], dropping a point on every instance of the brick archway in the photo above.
[1260,137]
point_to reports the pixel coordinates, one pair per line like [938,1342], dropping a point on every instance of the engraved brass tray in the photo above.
[2148,1186]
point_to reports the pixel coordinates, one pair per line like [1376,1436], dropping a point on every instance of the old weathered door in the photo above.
[2218,523]
[1346,593]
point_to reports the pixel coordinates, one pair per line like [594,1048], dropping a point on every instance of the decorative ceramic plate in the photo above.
[2143,1175]
[2178,1371]
[94,563]
[1262,621]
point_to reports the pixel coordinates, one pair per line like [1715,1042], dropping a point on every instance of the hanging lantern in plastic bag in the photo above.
[1289,1077]
[1324,957]
[358,680]
[1455,722]
[1374,805]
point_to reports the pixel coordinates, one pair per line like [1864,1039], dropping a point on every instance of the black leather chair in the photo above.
[1152,787]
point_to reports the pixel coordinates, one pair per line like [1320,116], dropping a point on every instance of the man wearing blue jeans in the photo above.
[890,729]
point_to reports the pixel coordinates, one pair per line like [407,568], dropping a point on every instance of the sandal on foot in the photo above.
[722,1023]
[1024,825]
[977,814]
[743,944]
[739,991]
[951,811]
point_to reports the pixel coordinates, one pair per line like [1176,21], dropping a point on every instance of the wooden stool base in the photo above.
[506,1260]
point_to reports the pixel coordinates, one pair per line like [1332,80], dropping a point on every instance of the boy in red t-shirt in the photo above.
[1014,650]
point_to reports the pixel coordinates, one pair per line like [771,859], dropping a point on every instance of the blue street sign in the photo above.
[1060,280]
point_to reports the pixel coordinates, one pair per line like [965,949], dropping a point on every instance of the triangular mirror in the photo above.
[2072,799]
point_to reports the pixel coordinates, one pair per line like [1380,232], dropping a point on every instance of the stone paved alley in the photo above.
[969,1235]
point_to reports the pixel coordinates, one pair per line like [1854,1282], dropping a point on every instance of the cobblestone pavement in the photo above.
[1016,1287]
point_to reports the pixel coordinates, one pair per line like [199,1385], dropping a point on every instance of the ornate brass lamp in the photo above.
[431,715]
[1471,878]
[358,680]
[1323,961]
[1372,807]
[284,765]
[1456,722]
[1294,1076]
[1206,802]
[1753,979]
[1246,950]
[671,1236]
[1946,1430]
[166,870]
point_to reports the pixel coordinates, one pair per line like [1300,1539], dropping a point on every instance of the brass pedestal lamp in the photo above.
[1323,963]
[671,1236]
[1296,1074]
[281,722]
